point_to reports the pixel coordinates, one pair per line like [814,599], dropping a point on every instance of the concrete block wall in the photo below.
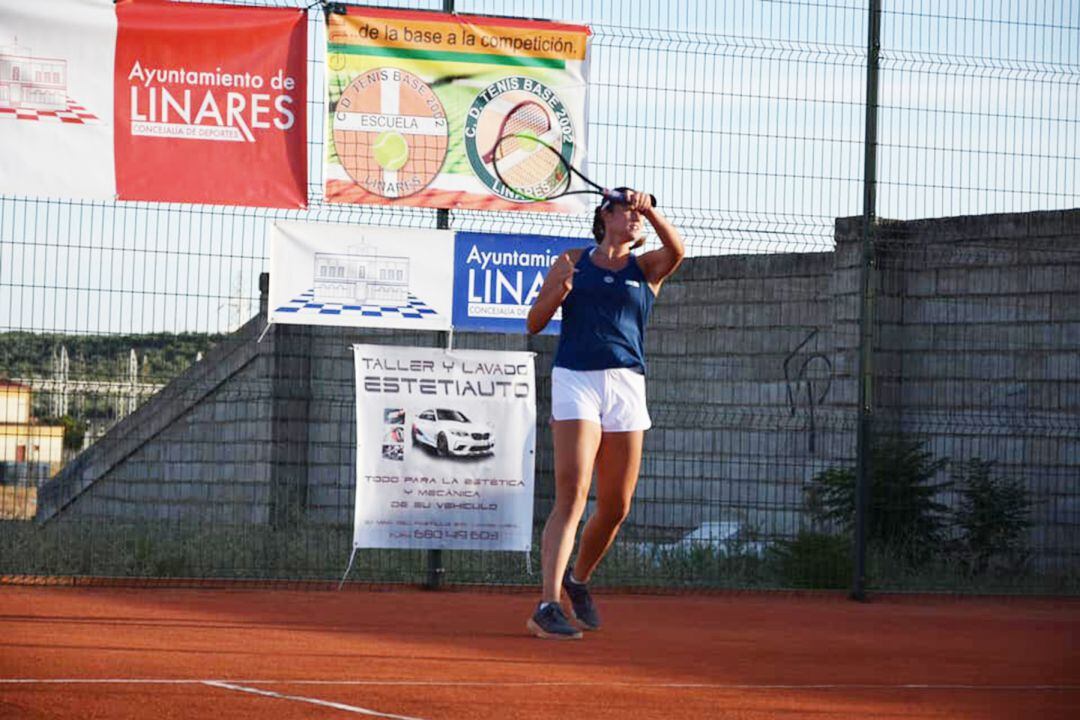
[751,383]
[979,352]
[730,381]
[744,393]
[201,450]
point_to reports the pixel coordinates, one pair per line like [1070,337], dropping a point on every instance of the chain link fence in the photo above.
[150,433]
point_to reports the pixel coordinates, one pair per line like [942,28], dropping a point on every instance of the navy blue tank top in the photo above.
[603,318]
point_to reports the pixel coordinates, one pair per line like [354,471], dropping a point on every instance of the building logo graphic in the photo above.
[35,88]
[360,283]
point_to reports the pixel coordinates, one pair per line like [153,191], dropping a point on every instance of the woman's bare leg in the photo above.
[617,464]
[576,445]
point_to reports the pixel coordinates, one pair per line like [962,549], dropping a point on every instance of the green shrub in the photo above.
[681,565]
[813,560]
[903,515]
[993,518]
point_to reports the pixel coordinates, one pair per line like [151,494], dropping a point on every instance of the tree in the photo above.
[904,516]
[993,517]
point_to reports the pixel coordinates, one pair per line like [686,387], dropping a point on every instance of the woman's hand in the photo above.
[562,274]
[557,285]
[639,201]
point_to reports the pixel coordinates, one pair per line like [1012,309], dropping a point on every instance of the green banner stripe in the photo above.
[446,56]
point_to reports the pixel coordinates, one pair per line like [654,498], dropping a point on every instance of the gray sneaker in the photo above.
[581,603]
[550,622]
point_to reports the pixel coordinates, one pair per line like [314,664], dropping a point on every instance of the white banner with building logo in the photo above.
[445,448]
[356,276]
[56,99]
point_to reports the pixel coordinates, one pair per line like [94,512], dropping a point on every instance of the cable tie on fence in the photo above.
[263,333]
[449,349]
[352,556]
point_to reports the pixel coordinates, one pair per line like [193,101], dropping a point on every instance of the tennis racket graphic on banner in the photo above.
[527,119]
[530,160]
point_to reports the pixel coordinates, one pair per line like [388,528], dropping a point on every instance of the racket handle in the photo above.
[620,197]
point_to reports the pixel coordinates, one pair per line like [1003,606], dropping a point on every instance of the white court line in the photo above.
[511,683]
[312,701]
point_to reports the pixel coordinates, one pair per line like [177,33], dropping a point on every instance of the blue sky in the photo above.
[745,118]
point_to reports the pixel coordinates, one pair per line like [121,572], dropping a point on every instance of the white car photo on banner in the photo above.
[356,276]
[445,448]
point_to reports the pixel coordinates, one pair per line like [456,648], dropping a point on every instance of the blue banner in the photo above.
[497,277]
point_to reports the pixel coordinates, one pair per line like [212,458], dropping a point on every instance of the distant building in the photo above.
[26,81]
[23,441]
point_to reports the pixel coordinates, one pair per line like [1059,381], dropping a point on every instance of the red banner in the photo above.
[211,104]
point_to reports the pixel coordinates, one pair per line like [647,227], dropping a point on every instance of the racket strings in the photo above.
[522,158]
[527,120]
[540,173]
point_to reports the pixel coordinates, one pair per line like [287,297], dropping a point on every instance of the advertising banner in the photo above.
[416,101]
[56,99]
[211,104]
[445,448]
[497,277]
[357,276]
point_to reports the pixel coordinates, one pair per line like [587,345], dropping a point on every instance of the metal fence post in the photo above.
[435,569]
[864,433]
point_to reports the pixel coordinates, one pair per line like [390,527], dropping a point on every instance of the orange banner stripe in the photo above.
[455,35]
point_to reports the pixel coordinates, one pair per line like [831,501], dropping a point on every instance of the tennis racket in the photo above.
[529,165]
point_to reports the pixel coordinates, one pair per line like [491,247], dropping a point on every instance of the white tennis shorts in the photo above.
[614,398]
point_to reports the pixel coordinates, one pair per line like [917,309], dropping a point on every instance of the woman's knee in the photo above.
[613,512]
[570,504]
[570,498]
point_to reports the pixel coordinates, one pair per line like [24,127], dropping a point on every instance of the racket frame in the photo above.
[606,193]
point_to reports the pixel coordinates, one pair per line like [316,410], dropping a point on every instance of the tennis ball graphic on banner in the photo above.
[528,141]
[390,151]
[390,132]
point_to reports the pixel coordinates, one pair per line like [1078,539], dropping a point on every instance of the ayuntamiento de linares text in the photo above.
[486,383]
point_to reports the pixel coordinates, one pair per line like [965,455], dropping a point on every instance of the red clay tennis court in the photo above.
[122,652]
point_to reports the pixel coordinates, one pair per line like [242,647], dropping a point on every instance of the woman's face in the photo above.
[623,224]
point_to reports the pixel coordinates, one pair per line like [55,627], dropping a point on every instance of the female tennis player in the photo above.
[598,412]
